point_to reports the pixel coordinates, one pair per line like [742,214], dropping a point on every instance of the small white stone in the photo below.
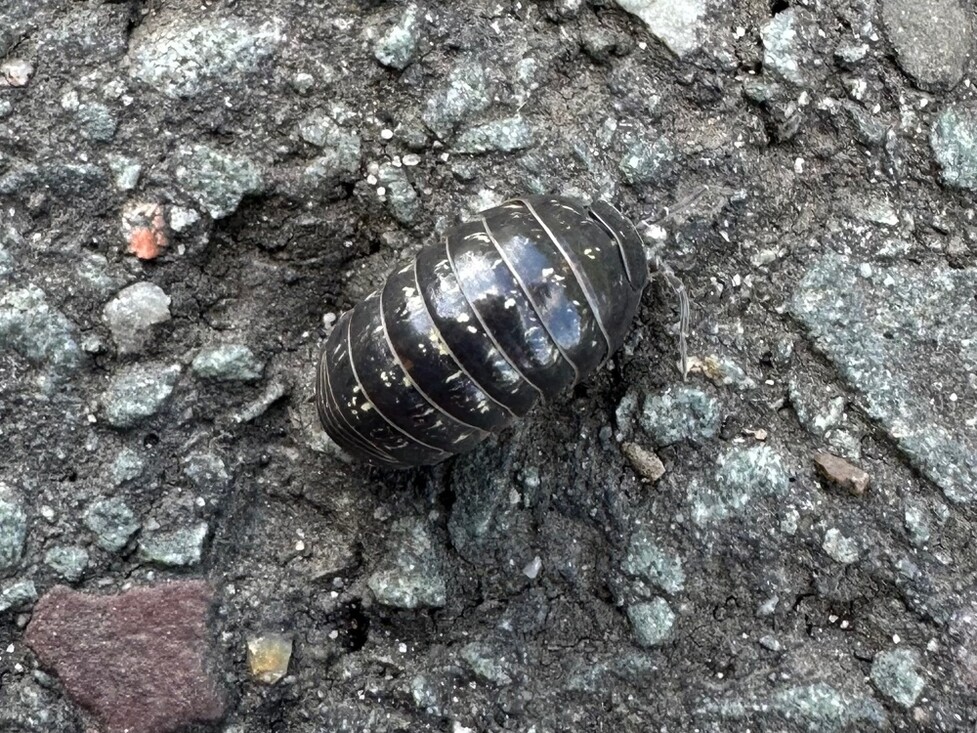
[532,569]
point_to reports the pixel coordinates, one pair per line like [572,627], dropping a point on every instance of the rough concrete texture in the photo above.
[190,193]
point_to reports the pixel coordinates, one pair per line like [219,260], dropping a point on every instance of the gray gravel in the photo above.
[112,523]
[932,38]
[13,529]
[133,312]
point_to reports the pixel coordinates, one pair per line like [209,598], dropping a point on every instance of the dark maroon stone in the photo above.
[140,661]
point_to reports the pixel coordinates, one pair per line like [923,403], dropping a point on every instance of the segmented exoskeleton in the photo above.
[514,307]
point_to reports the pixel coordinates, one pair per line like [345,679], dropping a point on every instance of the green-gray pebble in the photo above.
[512,133]
[652,621]
[410,575]
[18,595]
[112,522]
[895,673]
[138,392]
[680,413]
[13,529]
[181,547]
[227,362]
[67,561]
[216,180]
[396,47]
[954,143]
[44,336]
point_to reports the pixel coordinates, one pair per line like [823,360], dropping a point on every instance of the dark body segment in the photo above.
[599,258]
[470,344]
[391,390]
[550,281]
[338,429]
[518,305]
[505,311]
[355,408]
[420,347]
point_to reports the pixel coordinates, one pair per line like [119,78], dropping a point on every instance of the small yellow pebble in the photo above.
[268,657]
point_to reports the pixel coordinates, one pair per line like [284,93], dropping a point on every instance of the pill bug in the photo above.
[512,308]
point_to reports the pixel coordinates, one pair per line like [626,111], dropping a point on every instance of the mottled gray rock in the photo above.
[180,547]
[18,595]
[817,408]
[28,704]
[13,529]
[112,522]
[125,171]
[511,133]
[182,218]
[743,475]
[895,673]
[181,58]
[138,392]
[410,575]
[205,471]
[652,621]
[816,707]
[126,466]
[676,23]
[227,362]
[917,524]
[954,143]
[483,515]
[338,162]
[488,662]
[466,94]
[97,122]
[133,312]
[396,47]
[65,180]
[785,51]
[94,120]
[646,560]
[216,180]
[41,334]
[67,561]
[680,413]
[96,272]
[840,548]
[401,196]
[880,332]
[596,676]
[15,72]
[850,54]
[932,39]
[645,162]
[319,129]
[303,82]
[868,129]
[6,263]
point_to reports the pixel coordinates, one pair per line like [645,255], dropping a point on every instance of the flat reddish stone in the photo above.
[140,661]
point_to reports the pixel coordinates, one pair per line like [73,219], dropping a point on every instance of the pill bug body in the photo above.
[514,307]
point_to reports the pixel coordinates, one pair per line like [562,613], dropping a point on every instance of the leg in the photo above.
[660,269]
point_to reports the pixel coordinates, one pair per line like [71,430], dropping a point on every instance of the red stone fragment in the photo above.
[144,225]
[140,661]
